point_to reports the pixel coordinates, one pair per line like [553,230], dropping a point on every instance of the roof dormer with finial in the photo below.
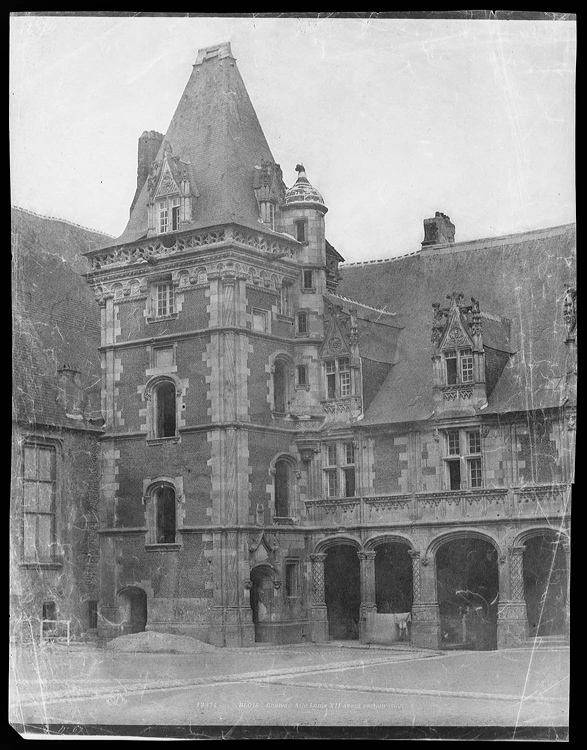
[302,193]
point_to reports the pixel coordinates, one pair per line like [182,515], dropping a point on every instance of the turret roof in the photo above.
[215,129]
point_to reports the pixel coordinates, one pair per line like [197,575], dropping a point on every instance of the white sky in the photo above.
[393,119]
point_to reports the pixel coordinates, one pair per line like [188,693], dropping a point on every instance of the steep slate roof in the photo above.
[521,277]
[216,130]
[56,320]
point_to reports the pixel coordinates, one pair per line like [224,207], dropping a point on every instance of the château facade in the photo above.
[295,448]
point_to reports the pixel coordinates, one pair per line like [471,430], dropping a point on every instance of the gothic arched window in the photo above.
[283,486]
[280,386]
[164,402]
[165,516]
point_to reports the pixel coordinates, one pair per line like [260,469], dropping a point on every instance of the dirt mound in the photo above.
[161,643]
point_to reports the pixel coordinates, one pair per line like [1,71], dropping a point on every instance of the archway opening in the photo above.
[467,590]
[133,610]
[342,592]
[393,578]
[545,585]
[261,599]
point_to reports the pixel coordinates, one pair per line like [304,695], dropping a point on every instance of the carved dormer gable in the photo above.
[172,193]
[269,190]
[338,329]
[459,359]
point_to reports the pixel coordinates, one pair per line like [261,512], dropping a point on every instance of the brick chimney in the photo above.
[439,230]
[149,144]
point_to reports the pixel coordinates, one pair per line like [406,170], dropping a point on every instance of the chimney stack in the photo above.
[439,230]
[149,145]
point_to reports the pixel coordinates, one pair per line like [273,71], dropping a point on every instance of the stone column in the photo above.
[368,606]
[512,618]
[425,611]
[318,612]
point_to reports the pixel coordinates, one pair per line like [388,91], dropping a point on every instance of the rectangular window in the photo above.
[474,441]
[451,367]
[331,454]
[174,214]
[331,487]
[92,615]
[49,616]
[39,483]
[308,280]
[345,376]
[349,453]
[165,300]
[291,578]
[284,300]
[300,231]
[349,482]
[454,448]
[259,320]
[475,475]
[163,217]
[330,366]
[466,366]
[302,374]
[454,473]
[302,322]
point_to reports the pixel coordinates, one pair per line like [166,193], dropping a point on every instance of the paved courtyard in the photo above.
[307,686]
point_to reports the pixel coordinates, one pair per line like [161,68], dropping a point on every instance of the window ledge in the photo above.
[285,318]
[172,547]
[302,387]
[308,290]
[151,319]
[163,440]
[285,520]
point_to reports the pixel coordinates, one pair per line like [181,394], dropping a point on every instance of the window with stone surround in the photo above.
[307,278]
[161,514]
[463,459]
[39,481]
[283,487]
[164,401]
[339,469]
[167,212]
[301,230]
[302,376]
[292,575]
[458,366]
[337,374]
[302,323]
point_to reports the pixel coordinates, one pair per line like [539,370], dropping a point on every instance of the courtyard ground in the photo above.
[334,685]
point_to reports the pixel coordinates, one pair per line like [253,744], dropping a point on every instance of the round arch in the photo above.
[451,536]
[283,469]
[526,534]
[372,543]
[336,541]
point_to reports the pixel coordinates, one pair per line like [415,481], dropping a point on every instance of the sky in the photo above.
[394,119]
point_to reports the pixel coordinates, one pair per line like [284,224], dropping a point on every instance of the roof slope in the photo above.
[56,320]
[520,277]
[216,130]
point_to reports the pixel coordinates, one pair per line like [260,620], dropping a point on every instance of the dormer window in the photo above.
[168,215]
[338,377]
[459,366]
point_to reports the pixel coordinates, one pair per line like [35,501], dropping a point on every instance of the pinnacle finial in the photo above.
[300,168]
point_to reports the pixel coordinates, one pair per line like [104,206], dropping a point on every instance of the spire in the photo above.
[303,194]
[216,132]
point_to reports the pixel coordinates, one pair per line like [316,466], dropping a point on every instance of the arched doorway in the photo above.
[342,588]
[261,598]
[393,578]
[133,610]
[545,584]
[467,579]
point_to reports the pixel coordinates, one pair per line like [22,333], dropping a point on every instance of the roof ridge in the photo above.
[545,231]
[63,221]
[356,302]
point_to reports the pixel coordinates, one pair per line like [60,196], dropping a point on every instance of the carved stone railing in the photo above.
[490,503]
[541,500]
[163,245]
[344,405]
